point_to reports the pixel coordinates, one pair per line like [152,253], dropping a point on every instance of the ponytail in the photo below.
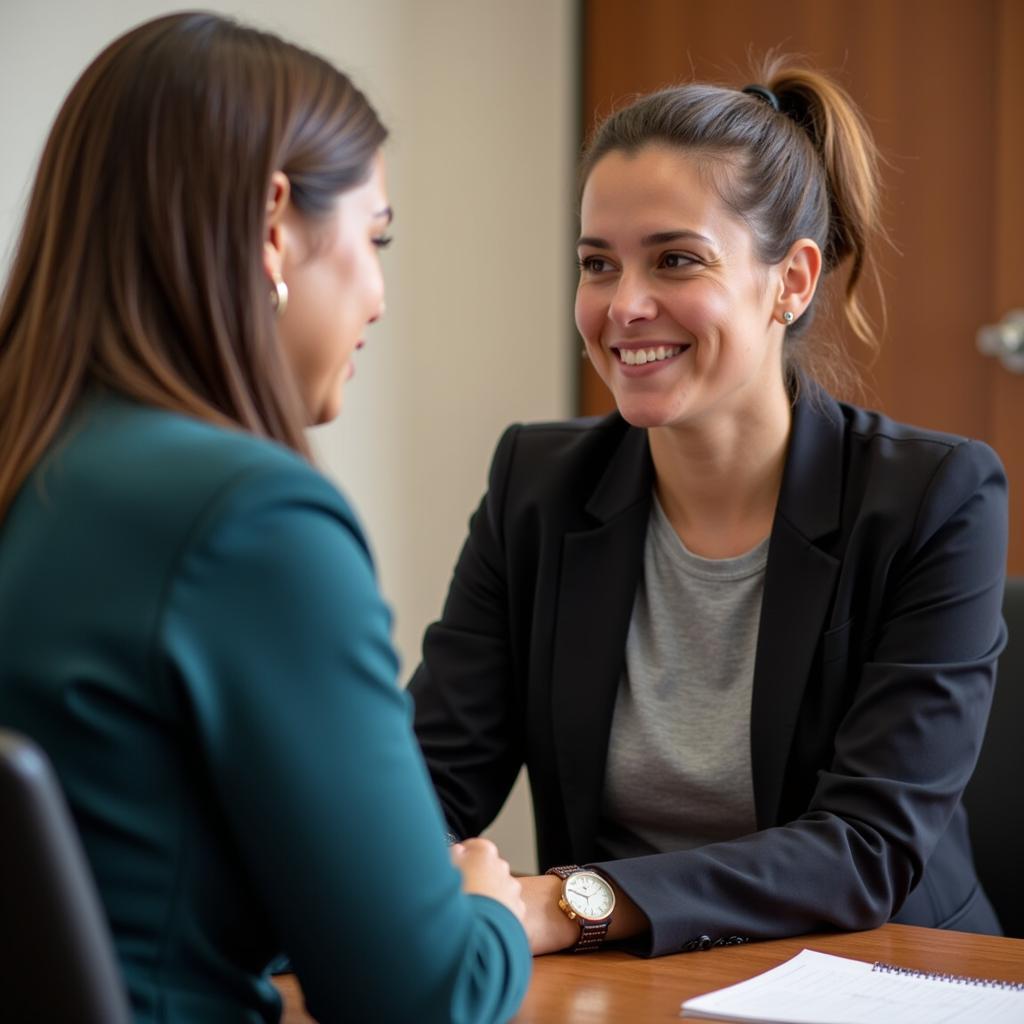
[850,160]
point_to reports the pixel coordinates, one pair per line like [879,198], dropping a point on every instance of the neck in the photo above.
[719,481]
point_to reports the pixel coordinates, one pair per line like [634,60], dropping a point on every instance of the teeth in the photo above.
[640,356]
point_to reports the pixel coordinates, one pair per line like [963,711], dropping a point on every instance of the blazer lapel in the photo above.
[600,571]
[799,582]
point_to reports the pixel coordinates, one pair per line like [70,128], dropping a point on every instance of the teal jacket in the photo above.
[191,627]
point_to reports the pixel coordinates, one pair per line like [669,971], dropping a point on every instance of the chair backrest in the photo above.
[56,954]
[994,805]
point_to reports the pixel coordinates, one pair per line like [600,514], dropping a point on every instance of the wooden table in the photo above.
[614,987]
[617,987]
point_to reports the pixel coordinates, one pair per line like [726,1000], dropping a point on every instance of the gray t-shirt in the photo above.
[678,773]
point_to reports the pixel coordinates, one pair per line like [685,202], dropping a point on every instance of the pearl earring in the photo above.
[788,317]
[279,296]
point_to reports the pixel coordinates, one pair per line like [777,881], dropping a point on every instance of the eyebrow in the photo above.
[658,238]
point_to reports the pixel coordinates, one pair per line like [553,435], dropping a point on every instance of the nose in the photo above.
[633,301]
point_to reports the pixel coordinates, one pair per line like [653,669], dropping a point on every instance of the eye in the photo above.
[382,241]
[593,264]
[678,260]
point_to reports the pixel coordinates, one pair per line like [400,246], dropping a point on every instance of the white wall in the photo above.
[479,95]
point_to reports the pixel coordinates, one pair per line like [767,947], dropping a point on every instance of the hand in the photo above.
[485,873]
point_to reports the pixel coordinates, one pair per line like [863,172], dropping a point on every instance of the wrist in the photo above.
[547,927]
[587,899]
[564,930]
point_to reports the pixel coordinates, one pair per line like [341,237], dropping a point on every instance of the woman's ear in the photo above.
[800,270]
[274,243]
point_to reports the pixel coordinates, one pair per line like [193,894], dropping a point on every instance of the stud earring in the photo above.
[279,296]
[788,317]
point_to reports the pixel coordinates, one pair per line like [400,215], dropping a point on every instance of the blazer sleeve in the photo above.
[469,723]
[277,643]
[903,753]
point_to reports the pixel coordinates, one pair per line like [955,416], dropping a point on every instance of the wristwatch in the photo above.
[588,899]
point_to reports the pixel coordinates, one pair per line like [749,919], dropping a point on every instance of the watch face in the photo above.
[589,895]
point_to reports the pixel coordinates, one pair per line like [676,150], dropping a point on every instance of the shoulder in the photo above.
[184,465]
[911,483]
[569,457]
[833,439]
[917,456]
[153,482]
[567,441]
[854,472]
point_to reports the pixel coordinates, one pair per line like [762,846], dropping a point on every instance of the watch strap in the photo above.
[592,935]
[564,871]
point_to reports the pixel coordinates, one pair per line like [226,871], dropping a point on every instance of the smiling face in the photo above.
[336,290]
[677,312]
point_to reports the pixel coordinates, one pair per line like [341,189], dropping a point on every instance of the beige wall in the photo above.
[479,95]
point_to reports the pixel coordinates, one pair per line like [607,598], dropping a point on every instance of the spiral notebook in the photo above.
[816,988]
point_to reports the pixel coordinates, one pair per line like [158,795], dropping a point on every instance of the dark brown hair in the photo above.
[806,170]
[139,266]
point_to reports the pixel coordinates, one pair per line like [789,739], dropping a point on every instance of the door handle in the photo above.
[1005,340]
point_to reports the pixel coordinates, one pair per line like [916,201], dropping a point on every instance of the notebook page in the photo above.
[816,988]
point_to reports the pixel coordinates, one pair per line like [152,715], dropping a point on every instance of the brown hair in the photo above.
[806,170]
[139,265]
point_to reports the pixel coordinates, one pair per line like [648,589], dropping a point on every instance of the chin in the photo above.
[327,411]
[644,422]
[329,414]
[646,414]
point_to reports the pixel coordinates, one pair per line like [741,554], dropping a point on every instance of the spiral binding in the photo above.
[953,979]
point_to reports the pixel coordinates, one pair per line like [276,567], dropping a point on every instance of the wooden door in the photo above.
[942,85]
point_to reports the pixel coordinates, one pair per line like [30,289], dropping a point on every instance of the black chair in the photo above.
[55,948]
[994,804]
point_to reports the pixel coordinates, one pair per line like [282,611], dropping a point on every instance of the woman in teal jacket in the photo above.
[189,619]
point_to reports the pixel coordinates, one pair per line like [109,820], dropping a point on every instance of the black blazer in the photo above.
[876,656]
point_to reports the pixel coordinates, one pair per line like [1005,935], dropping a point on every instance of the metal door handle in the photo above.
[1005,340]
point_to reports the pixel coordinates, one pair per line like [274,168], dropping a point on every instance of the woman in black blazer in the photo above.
[862,633]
